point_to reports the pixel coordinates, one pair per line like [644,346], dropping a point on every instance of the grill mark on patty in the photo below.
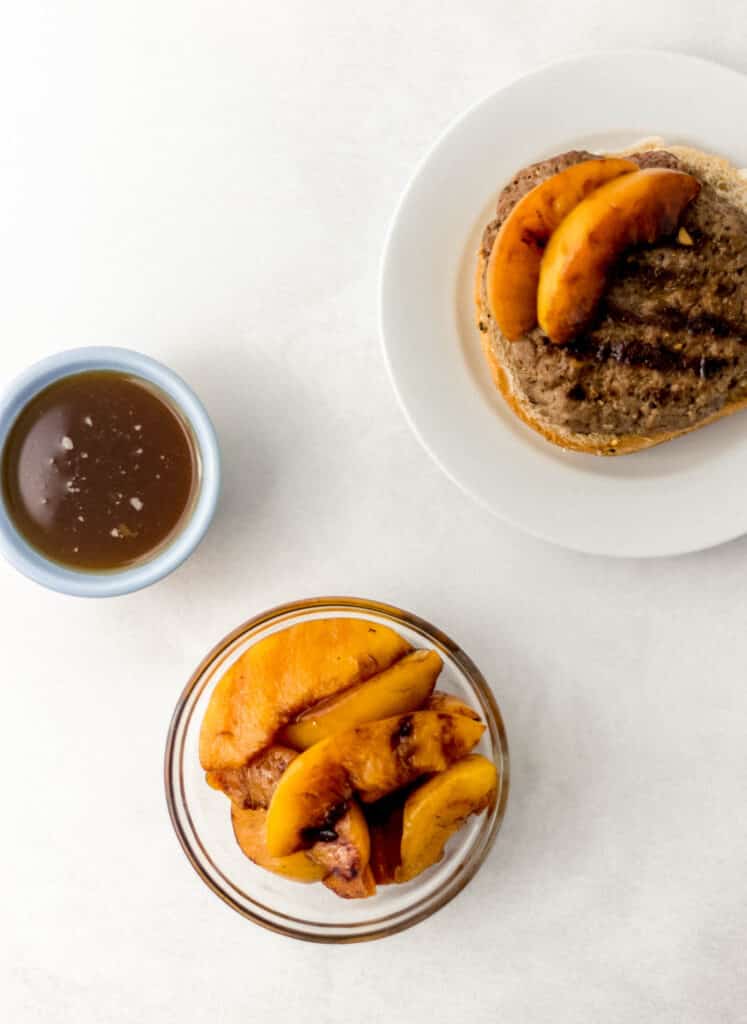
[676,321]
[636,353]
[649,274]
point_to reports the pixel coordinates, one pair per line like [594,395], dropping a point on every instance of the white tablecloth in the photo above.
[211,183]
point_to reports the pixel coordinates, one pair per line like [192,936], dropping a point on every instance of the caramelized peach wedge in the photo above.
[438,808]
[342,764]
[448,704]
[339,857]
[409,832]
[249,829]
[282,675]
[251,786]
[401,688]
[640,207]
[371,760]
[342,863]
[345,859]
[514,264]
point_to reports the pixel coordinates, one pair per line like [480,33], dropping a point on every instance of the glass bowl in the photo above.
[201,816]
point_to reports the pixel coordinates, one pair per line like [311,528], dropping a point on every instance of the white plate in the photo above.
[682,496]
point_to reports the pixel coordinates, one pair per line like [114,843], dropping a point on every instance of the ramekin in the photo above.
[88,583]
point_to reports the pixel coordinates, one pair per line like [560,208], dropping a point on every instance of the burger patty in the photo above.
[668,346]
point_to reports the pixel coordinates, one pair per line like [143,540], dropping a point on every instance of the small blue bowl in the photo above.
[118,581]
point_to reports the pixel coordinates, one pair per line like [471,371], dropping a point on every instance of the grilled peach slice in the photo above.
[639,207]
[282,675]
[249,829]
[342,863]
[371,760]
[345,859]
[398,689]
[438,808]
[514,264]
[359,888]
[340,855]
[448,704]
[251,786]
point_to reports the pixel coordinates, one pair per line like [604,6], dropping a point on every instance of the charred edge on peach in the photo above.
[652,357]
[402,732]
[325,831]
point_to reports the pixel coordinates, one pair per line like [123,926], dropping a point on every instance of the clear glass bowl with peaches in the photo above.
[336,769]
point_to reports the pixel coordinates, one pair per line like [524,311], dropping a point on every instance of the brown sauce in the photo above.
[99,471]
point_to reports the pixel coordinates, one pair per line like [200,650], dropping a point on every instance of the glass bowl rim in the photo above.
[464,871]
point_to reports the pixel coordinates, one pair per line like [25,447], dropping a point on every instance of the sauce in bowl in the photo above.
[99,471]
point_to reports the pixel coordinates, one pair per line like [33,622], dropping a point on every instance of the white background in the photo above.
[211,182]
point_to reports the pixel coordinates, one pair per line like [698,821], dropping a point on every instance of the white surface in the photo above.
[683,496]
[212,182]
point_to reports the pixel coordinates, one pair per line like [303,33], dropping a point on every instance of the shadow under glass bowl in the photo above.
[202,821]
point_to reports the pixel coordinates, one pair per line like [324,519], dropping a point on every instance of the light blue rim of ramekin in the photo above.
[110,584]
